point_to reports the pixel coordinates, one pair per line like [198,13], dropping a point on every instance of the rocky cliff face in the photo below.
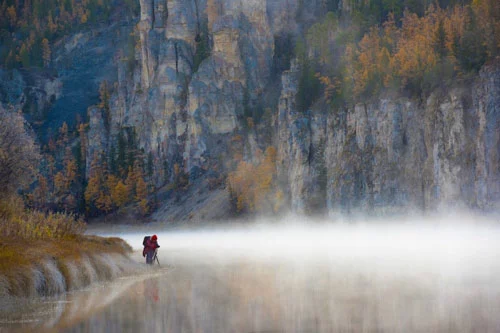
[184,111]
[29,91]
[63,92]
[300,142]
[199,67]
[395,155]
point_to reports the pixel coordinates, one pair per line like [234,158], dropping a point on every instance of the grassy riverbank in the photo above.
[48,253]
[44,267]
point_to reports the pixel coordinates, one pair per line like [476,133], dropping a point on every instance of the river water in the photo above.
[292,279]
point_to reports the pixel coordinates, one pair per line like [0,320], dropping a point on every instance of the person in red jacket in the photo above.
[150,249]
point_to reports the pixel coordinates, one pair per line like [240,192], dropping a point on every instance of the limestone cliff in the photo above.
[29,91]
[63,92]
[203,84]
[185,111]
[395,155]
[392,155]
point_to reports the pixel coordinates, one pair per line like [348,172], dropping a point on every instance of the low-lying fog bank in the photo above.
[426,236]
[456,247]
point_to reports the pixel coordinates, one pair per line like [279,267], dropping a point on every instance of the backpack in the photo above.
[146,239]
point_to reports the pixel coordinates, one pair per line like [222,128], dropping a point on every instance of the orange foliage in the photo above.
[63,135]
[104,202]
[415,53]
[70,173]
[137,187]
[59,182]
[63,182]
[332,86]
[390,56]
[373,66]
[119,194]
[454,25]
[107,192]
[92,191]
[251,185]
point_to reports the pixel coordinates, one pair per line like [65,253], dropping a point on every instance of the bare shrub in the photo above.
[19,155]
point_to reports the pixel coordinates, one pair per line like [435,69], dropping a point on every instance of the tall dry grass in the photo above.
[39,267]
[18,222]
[47,253]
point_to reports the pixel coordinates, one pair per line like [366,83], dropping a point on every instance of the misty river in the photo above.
[300,278]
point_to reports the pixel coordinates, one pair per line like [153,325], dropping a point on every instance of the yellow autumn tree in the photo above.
[454,26]
[373,64]
[70,173]
[59,183]
[244,184]
[415,52]
[144,206]
[93,189]
[83,18]
[104,202]
[136,187]
[251,186]
[415,56]
[63,135]
[332,86]
[65,178]
[119,194]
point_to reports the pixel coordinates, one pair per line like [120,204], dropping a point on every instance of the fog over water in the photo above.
[438,275]
[449,242]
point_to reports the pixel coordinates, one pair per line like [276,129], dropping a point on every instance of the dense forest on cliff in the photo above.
[279,85]
[28,29]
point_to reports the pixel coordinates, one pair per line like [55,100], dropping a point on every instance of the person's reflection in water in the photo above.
[151,290]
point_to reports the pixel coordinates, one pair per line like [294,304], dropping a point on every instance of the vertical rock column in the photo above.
[486,101]
[97,137]
[294,143]
[144,27]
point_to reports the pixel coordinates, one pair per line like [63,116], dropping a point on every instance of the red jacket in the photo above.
[151,245]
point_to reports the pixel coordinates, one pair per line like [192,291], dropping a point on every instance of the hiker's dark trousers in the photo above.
[149,257]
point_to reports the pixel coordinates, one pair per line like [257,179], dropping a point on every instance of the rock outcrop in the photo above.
[395,155]
[185,112]
[190,86]
[392,155]
[32,92]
